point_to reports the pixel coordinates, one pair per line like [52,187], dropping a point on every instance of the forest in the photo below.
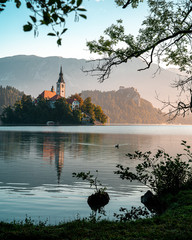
[40,111]
[126,106]
[8,96]
[122,106]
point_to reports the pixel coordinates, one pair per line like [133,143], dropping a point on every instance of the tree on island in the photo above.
[8,96]
[95,112]
[40,111]
[78,98]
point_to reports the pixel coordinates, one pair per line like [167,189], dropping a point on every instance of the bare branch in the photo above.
[148,63]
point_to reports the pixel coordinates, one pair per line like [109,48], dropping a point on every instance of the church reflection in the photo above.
[53,152]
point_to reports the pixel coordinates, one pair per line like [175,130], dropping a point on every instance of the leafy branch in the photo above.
[93,181]
[165,35]
[52,13]
[160,172]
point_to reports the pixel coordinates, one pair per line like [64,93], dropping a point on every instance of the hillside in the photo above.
[33,75]
[8,96]
[126,106]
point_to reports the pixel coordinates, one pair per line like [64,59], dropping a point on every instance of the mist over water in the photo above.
[36,166]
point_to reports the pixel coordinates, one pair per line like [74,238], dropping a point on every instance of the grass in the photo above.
[174,224]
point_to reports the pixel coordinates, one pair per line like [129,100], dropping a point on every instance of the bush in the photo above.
[161,172]
[100,198]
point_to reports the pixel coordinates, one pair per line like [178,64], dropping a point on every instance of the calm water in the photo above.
[36,165]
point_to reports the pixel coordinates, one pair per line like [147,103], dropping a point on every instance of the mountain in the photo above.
[33,74]
[125,106]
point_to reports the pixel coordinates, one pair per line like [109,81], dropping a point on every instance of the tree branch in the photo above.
[127,3]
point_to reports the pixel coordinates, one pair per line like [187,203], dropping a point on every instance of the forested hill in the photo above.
[8,96]
[126,106]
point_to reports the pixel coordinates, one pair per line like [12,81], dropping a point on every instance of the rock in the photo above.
[147,197]
[152,202]
[98,200]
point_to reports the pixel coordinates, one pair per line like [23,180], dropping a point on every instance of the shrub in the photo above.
[100,198]
[93,180]
[161,172]
[134,213]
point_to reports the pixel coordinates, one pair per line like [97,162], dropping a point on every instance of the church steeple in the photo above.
[61,79]
[61,84]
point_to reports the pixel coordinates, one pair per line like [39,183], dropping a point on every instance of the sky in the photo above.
[100,15]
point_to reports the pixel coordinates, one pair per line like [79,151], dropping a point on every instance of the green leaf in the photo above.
[33,19]
[79,2]
[28,27]
[51,2]
[51,34]
[81,9]
[46,18]
[28,4]
[55,17]
[83,16]
[62,19]
[59,42]
[18,3]
[64,30]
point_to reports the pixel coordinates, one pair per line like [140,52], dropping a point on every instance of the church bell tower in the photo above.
[61,84]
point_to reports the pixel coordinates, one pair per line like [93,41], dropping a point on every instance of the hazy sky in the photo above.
[100,15]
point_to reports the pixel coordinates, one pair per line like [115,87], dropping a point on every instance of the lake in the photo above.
[36,166]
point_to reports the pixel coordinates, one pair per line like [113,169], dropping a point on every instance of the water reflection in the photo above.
[54,151]
[36,169]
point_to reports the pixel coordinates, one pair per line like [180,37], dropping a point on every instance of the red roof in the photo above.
[54,98]
[47,94]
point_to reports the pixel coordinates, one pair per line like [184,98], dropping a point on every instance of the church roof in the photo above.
[54,98]
[61,79]
[47,94]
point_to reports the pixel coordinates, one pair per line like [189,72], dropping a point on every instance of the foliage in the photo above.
[164,36]
[78,98]
[8,96]
[160,172]
[62,112]
[88,107]
[49,13]
[26,111]
[93,180]
[99,199]
[134,214]
[94,111]
[77,116]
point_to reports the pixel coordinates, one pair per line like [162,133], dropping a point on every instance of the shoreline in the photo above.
[174,223]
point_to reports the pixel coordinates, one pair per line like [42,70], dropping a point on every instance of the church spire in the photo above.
[61,84]
[61,79]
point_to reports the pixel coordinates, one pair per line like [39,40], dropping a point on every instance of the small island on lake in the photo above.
[52,108]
